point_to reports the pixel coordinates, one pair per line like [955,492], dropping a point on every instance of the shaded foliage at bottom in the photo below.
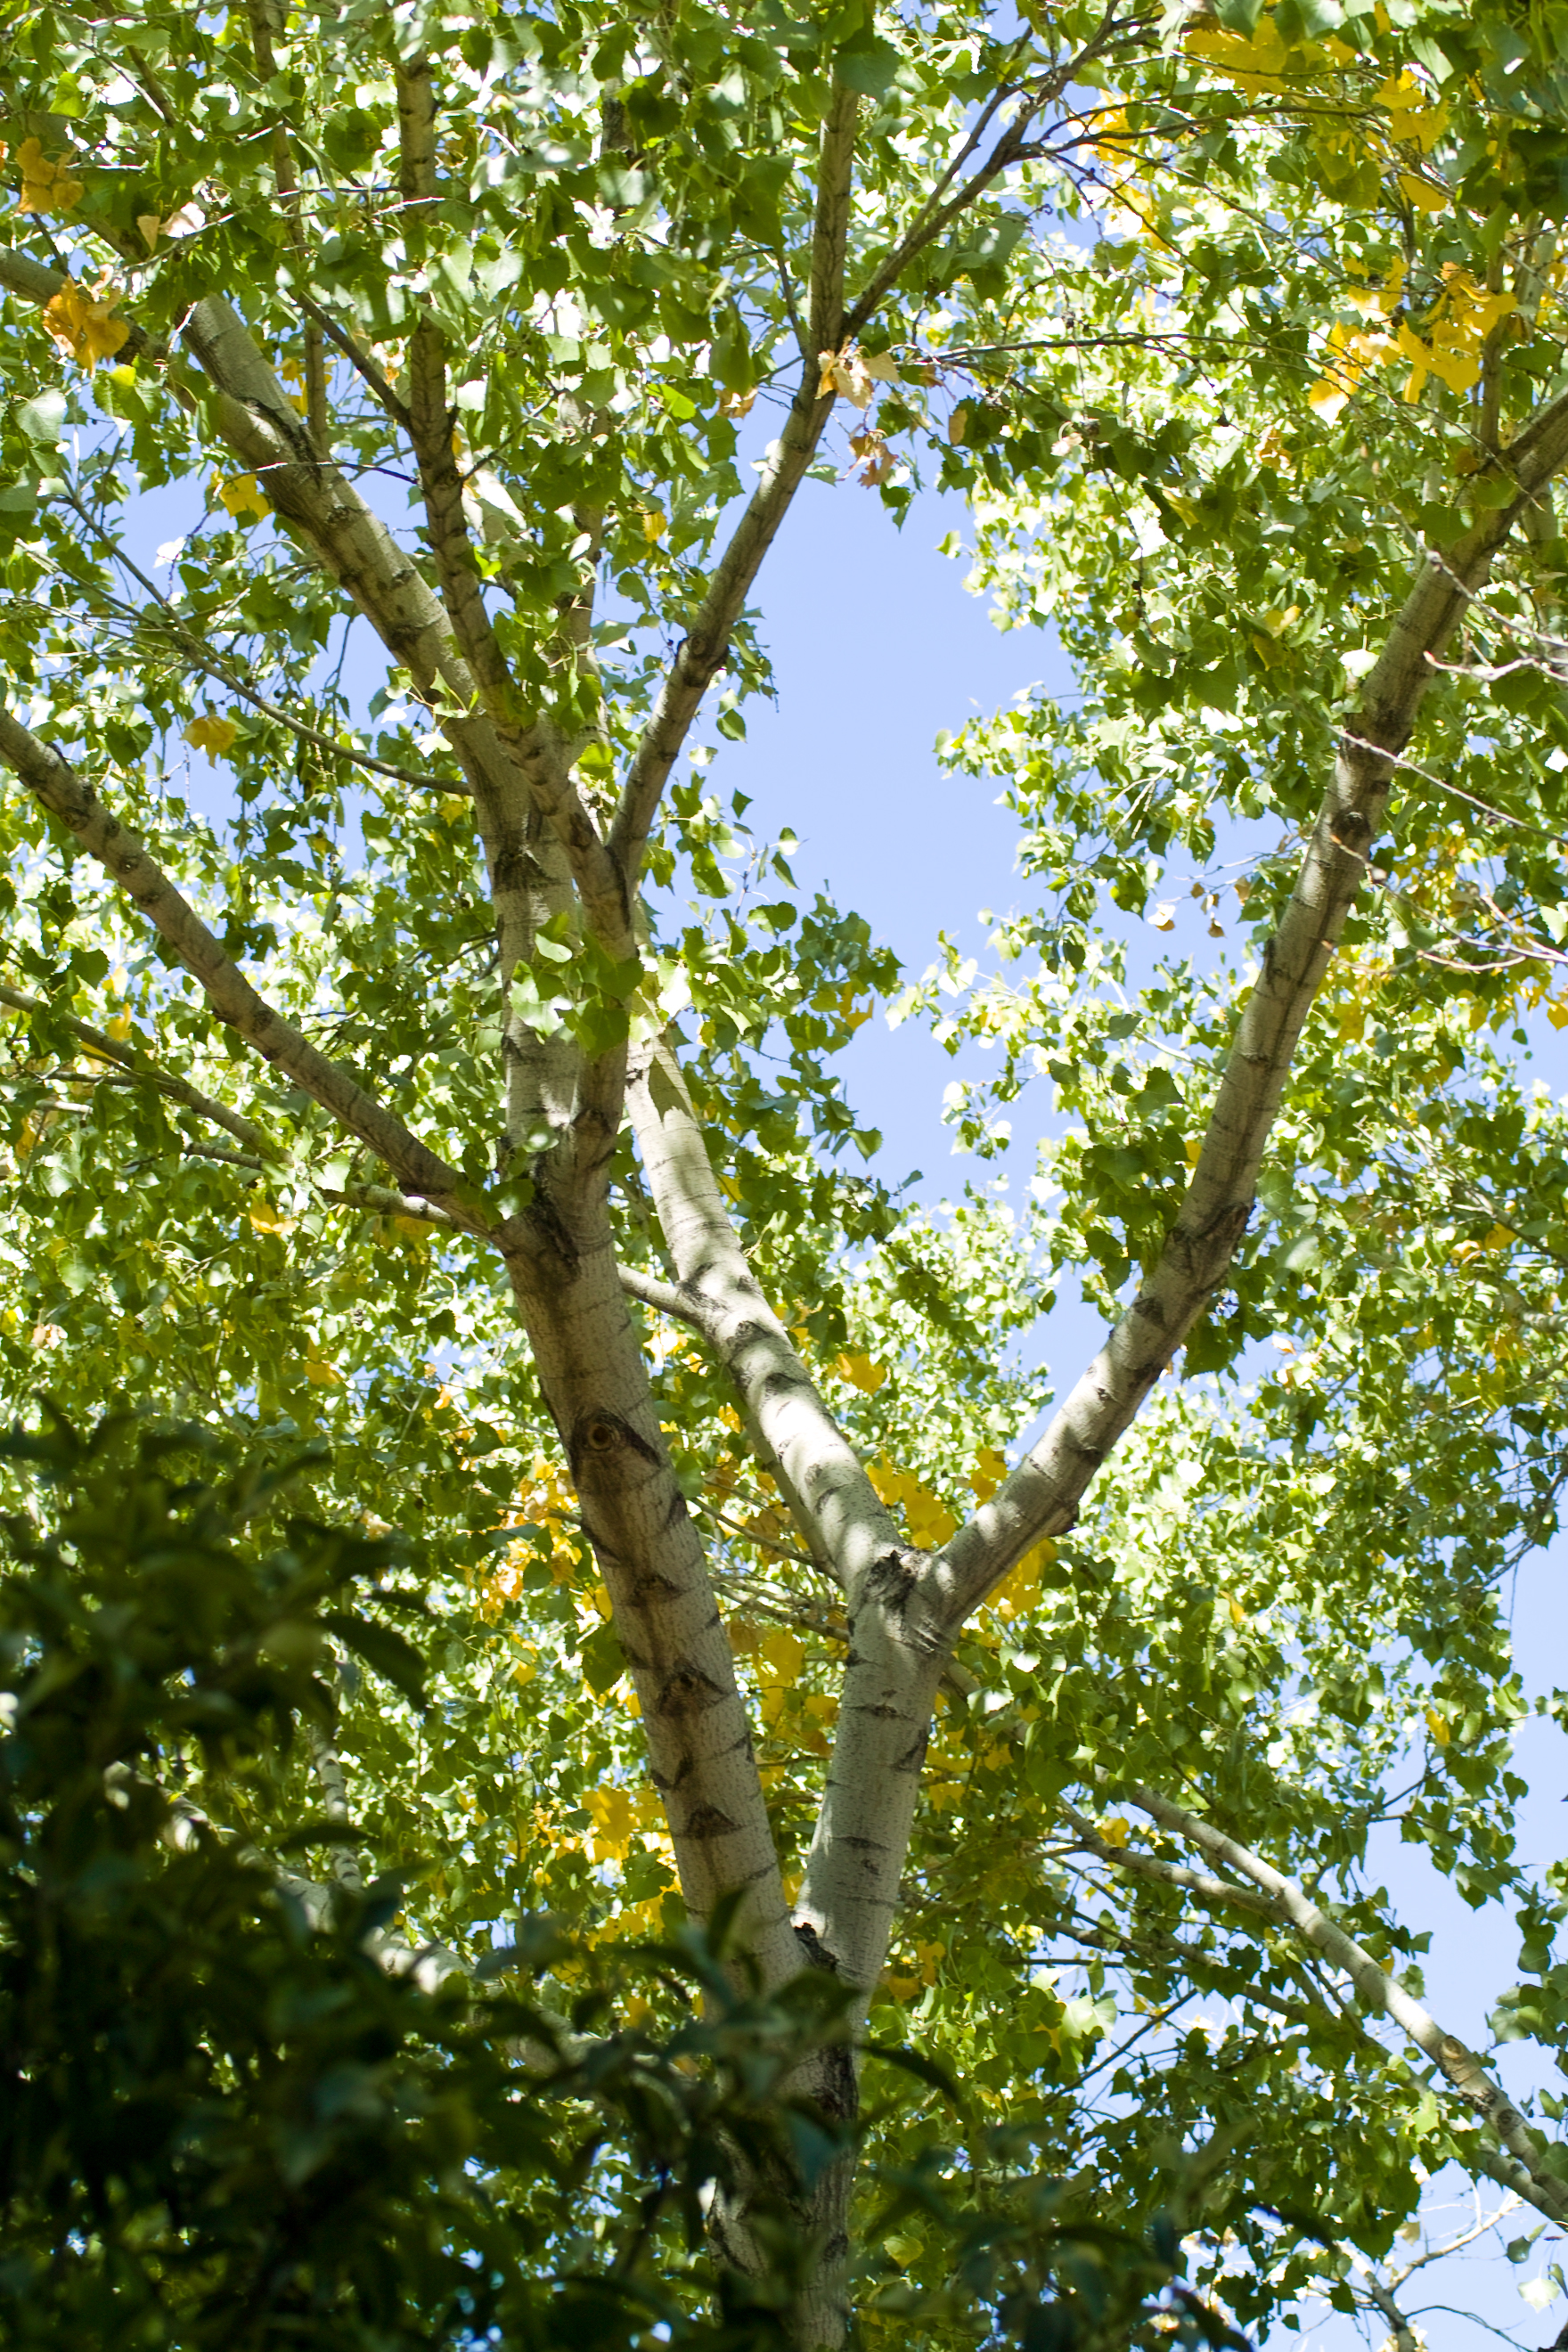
[239,2115]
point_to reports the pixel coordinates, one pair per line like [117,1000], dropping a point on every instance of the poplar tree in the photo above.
[434,1064]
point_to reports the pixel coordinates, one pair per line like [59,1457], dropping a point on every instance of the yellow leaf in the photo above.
[1557,1014]
[1020,1588]
[268,1220]
[243,494]
[1327,399]
[860,1372]
[322,1376]
[990,1469]
[782,1654]
[653,525]
[1116,1831]
[1439,1727]
[958,423]
[615,1819]
[1237,1613]
[46,186]
[1423,194]
[77,318]
[1194,1150]
[212,735]
[151,229]
[414,1228]
[119,1028]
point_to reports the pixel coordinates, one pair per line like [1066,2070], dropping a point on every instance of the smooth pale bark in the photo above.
[527,867]
[593,1374]
[1041,1496]
[717,1290]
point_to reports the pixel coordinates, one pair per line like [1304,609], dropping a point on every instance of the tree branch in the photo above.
[1169,1874]
[377,1198]
[359,359]
[704,650]
[133,1059]
[663,1297]
[719,1293]
[934,216]
[338,1090]
[534,750]
[1041,1496]
[1379,1989]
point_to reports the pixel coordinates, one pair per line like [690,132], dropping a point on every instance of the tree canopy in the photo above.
[412,1057]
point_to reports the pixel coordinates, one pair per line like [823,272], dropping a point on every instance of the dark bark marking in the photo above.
[654,1587]
[817,1953]
[892,1580]
[687,1691]
[597,1433]
[708,1821]
[914,1755]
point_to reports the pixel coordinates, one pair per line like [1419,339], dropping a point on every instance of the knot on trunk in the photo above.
[818,1954]
[598,1435]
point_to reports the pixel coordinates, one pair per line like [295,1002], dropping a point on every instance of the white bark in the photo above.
[1380,1990]
[1041,1496]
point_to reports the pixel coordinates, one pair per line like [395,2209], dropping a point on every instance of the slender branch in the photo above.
[54,783]
[377,1198]
[663,1297]
[1010,149]
[1379,1989]
[1170,1874]
[1132,1950]
[1041,1497]
[534,750]
[1438,2253]
[705,648]
[133,1059]
[850,1525]
[358,359]
[200,658]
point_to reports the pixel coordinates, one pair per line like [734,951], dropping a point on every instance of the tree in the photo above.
[1277,409]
